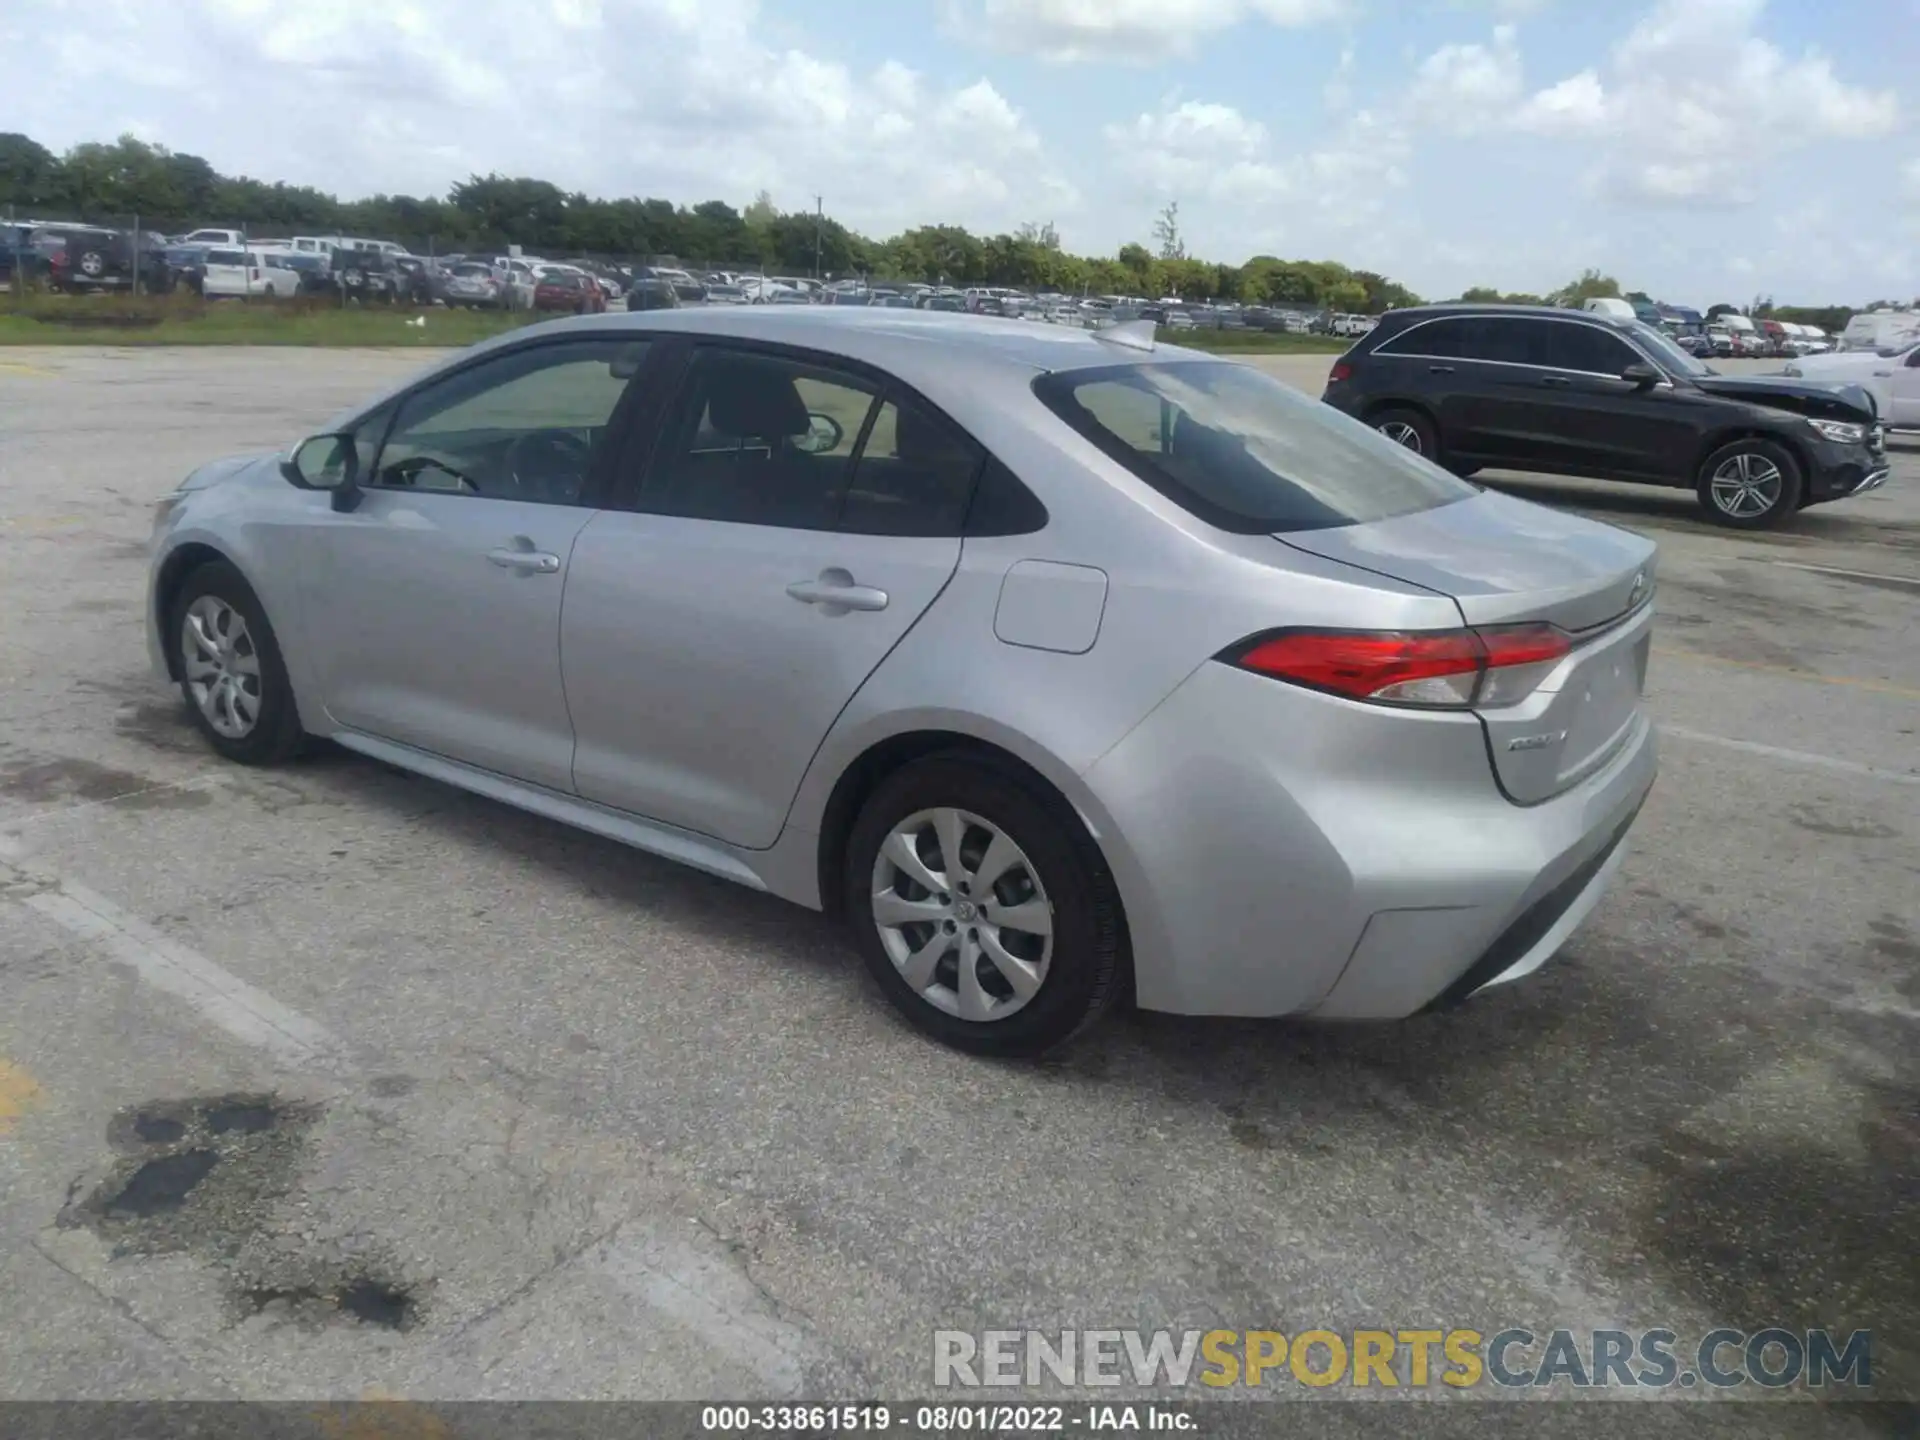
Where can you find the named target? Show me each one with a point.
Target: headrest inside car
(753, 399)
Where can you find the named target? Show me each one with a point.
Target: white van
(236, 273)
(1881, 330)
(1611, 308)
(382, 247)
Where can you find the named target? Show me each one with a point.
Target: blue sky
(1704, 150)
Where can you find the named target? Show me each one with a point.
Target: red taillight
(1341, 371)
(1434, 669)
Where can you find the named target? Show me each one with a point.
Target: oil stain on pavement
(209, 1176)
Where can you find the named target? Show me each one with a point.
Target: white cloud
(1577, 105)
(1337, 93)
(1192, 150)
(690, 99)
(1137, 31)
(1696, 106)
(1466, 87)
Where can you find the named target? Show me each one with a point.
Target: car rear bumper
(1285, 852)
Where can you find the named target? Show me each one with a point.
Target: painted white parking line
(243, 1011)
(1875, 575)
(1792, 757)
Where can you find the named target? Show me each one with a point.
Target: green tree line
(171, 191)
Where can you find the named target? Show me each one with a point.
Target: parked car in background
(81, 258)
(652, 292)
(1891, 376)
(1876, 330)
(230, 273)
(723, 293)
(321, 245)
(1612, 308)
(293, 272)
(1568, 392)
(569, 291)
(225, 239)
(1744, 334)
(416, 280)
(1327, 732)
(472, 285)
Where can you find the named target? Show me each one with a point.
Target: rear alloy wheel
(1751, 484)
(981, 909)
(1409, 429)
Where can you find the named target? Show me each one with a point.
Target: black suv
(1569, 392)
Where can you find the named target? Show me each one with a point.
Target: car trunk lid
(1508, 562)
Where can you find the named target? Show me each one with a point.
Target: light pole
(819, 222)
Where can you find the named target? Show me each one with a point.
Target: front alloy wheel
(221, 667)
(1746, 486)
(1751, 484)
(230, 669)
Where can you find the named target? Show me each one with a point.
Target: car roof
(1544, 312)
(939, 353)
(907, 343)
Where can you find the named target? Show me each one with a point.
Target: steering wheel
(549, 463)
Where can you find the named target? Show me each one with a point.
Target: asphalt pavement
(464, 1104)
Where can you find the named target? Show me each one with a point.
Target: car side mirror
(325, 462)
(1641, 376)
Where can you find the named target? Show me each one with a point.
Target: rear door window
(758, 439)
(1509, 340)
(1243, 451)
(1586, 348)
(914, 477)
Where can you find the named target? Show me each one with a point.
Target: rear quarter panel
(1178, 593)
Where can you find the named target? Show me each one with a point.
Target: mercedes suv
(1569, 392)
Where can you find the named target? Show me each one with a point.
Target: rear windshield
(1241, 450)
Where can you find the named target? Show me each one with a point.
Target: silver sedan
(1066, 667)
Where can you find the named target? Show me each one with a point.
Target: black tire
(1085, 971)
(1419, 435)
(1784, 497)
(276, 735)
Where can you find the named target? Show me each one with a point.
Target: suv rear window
(1241, 450)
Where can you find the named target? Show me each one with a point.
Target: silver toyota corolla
(1062, 665)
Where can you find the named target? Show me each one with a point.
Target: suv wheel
(981, 908)
(1408, 428)
(231, 673)
(1751, 484)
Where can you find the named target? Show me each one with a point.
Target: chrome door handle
(1555, 380)
(1439, 369)
(836, 593)
(527, 562)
